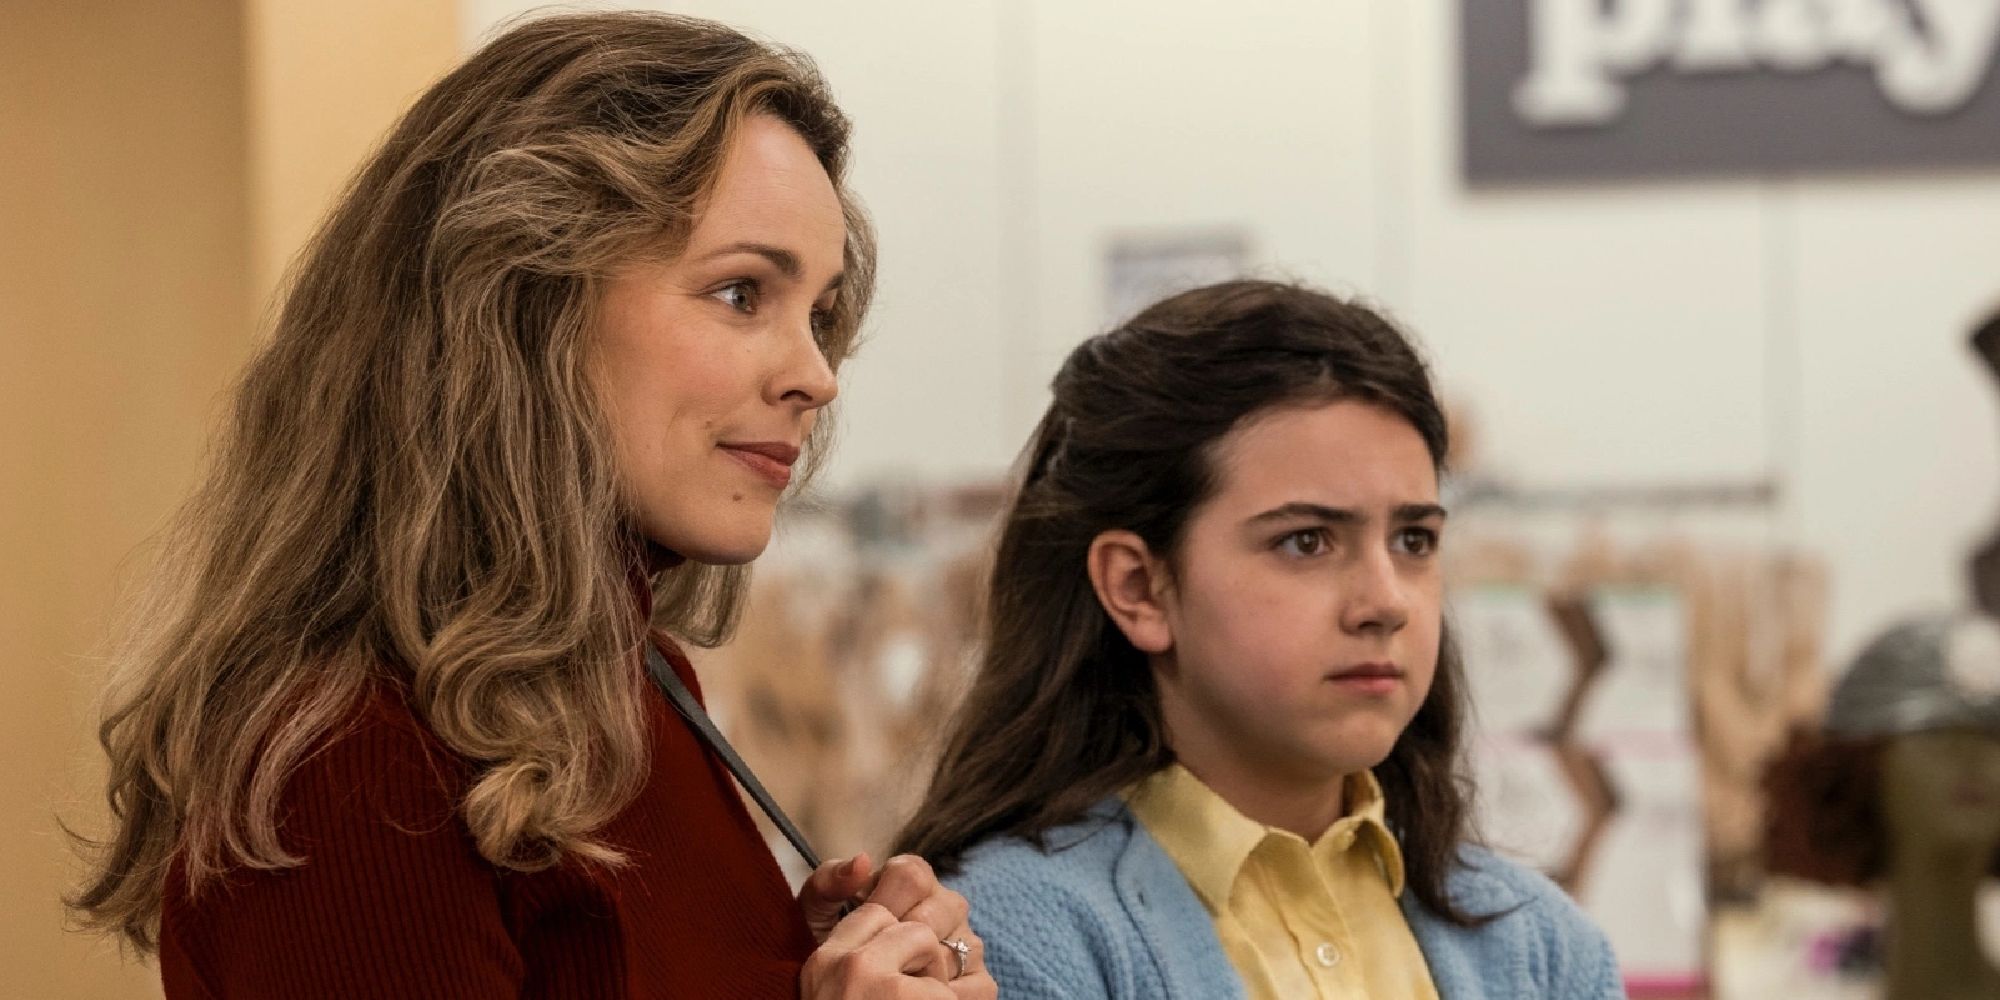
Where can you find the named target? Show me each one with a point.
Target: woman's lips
(770, 460)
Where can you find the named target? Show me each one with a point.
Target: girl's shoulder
(1091, 910)
(1532, 935)
(1485, 881)
(1074, 865)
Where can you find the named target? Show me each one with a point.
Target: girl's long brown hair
(416, 486)
(1062, 710)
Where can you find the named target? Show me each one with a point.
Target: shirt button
(1327, 954)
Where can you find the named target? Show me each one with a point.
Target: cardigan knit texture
(1104, 914)
(395, 901)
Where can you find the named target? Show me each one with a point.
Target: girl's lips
(775, 470)
(1369, 678)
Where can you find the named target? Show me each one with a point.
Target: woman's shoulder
(388, 879)
(376, 765)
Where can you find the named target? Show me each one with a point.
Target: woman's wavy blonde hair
(416, 485)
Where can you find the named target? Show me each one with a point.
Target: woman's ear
(1131, 583)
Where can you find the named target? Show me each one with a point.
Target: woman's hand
(893, 945)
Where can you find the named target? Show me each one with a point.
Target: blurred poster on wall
(1141, 269)
(1564, 90)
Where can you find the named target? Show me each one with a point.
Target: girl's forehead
(1350, 451)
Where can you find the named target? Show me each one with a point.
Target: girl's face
(710, 364)
(1303, 612)
(1942, 790)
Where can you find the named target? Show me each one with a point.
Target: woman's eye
(822, 325)
(738, 295)
(1310, 542)
(1417, 541)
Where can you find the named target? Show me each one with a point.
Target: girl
(385, 728)
(1211, 748)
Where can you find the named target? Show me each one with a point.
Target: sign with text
(1558, 90)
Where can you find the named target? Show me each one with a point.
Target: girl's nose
(1375, 600)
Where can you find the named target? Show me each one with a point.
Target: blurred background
(1699, 280)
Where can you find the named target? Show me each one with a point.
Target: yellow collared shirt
(1296, 919)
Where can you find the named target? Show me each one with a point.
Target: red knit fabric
(394, 901)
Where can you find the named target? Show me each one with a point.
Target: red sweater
(393, 900)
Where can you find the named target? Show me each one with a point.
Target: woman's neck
(1933, 934)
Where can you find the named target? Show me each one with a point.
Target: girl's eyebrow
(1305, 510)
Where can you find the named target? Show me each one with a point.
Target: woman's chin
(725, 551)
(720, 538)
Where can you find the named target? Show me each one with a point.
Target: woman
(383, 727)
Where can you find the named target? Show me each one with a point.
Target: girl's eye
(738, 295)
(1417, 541)
(822, 325)
(1304, 544)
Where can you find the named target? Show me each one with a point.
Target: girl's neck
(1304, 807)
(1933, 934)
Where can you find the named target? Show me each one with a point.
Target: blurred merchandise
(1899, 792)
(1634, 654)
(854, 643)
(1800, 941)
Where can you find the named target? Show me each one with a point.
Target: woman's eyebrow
(787, 262)
(784, 260)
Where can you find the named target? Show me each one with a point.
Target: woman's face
(1942, 789)
(710, 364)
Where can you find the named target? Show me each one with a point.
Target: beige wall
(160, 163)
(327, 80)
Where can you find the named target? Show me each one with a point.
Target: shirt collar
(1209, 840)
(1367, 821)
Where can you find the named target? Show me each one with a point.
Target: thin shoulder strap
(684, 702)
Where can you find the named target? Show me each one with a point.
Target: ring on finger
(960, 952)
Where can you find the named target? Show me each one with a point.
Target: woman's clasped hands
(906, 936)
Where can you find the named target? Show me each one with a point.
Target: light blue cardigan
(1105, 915)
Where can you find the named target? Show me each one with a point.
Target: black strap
(684, 702)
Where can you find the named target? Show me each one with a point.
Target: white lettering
(1857, 29)
(1713, 39)
(1791, 35)
(1927, 61)
(1938, 77)
(1577, 43)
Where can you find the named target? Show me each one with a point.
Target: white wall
(1811, 330)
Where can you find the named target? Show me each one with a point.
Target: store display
(1901, 792)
